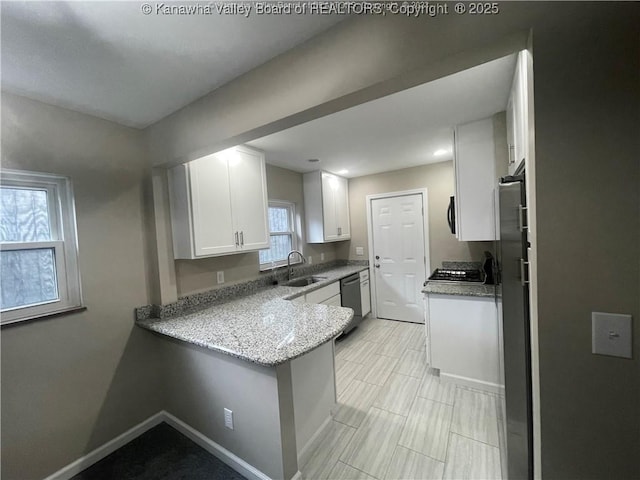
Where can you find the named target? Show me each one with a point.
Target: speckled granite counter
(263, 327)
(466, 289)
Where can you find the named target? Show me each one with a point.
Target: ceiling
(110, 60)
(397, 131)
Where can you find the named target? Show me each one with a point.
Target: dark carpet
(162, 453)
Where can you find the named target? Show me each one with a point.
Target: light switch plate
(359, 251)
(611, 334)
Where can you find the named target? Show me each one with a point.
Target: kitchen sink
(304, 281)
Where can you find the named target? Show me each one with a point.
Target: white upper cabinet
(219, 204)
(475, 177)
(326, 206)
(517, 114)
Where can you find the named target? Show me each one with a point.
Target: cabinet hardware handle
(523, 272)
(521, 218)
(512, 154)
(237, 242)
(242, 239)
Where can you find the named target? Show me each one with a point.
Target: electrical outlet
(359, 251)
(310, 260)
(322, 257)
(228, 418)
(220, 276)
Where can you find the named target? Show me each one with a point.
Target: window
(283, 235)
(38, 246)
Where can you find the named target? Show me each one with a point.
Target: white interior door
(399, 256)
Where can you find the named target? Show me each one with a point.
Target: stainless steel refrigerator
(513, 263)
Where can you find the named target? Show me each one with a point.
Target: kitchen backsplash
(201, 300)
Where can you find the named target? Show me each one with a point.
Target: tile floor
(396, 421)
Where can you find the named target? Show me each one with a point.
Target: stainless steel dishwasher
(350, 294)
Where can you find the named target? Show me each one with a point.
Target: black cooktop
(449, 275)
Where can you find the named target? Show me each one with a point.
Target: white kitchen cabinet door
(219, 204)
(326, 205)
(323, 294)
(517, 113)
(464, 339)
(342, 208)
(329, 211)
(336, 301)
(248, 183)
(475, 175)
(201, 208)
(365, 298)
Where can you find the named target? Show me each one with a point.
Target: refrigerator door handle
(524, 267)
(522, 224)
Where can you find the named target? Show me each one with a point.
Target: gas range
(444, 275)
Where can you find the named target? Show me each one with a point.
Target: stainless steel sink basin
(304, 281)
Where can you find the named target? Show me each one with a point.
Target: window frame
(292, 233)
(63, 242)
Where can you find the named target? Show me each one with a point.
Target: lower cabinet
(463, 339)
(365, 293)
(325, 294)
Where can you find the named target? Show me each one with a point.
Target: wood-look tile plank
(468, 459)
(377, 370)
(427, 428)
(345, 373)
(409, 465)
(408, 330)
(434, 389)
(394, 346)
(342, 471)
(355, 402)
(475, 416)
(397, 394)
(372, 447)
(359, 352)
(413, 363)
(378, 334)
(326, 454)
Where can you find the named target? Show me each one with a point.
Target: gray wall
(201, 383)
(586, 131)
(72, 383)
(587, 81)
(438, 179)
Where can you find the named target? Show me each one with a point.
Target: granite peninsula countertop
(464, 289)
(263, 327)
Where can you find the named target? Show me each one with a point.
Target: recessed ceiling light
(313, 160)
(440, 152)
(343, 172)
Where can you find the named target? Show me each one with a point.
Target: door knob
(377, 257)
(377, 265)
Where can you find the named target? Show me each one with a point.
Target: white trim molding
(224, 455)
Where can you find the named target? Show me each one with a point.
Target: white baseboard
(224, 455)
(65, 473)
(306, 451)
(473, 383)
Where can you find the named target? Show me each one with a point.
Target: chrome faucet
(289, 267)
